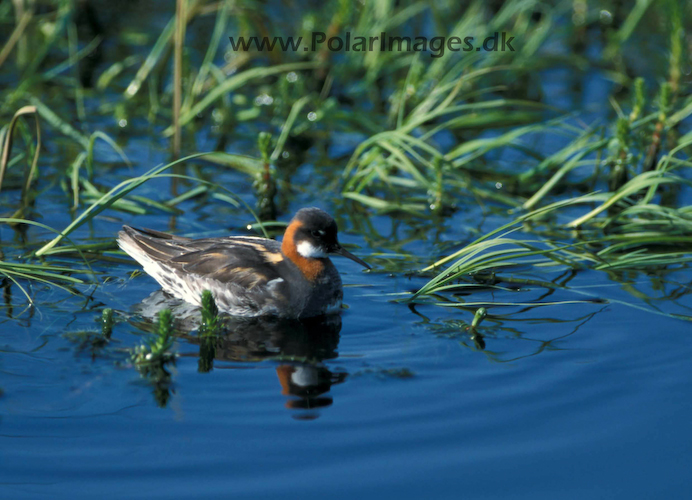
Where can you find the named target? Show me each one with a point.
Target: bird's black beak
(337, 249)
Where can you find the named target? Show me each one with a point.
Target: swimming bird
(247, 275)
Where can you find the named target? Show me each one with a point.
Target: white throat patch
(309, 251)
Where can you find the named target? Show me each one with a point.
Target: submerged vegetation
(95, 341)
(152, 357)
(415, 137)
(208, 332)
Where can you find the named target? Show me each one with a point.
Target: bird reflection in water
(299, 347)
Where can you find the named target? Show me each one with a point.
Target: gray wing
(243, 273)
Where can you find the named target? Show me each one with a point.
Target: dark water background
(580, 400)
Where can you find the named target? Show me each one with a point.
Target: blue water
(571, 402)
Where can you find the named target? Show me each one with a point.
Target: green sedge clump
(156, 351)
(210, 315)
(107, 323)
(639, 99)
(478, 318)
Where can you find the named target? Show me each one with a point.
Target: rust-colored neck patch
(311, 268)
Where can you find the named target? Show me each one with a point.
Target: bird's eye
(317, 233)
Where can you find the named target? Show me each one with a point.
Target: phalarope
(247, 275)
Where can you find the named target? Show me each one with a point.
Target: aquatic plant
(208, 332)
(155, 351)
(478, 317)
(265, 184)
(95, 341)
(433, 130)
(151, 357)
(635, 223)
(211, 323)
(107, 323)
